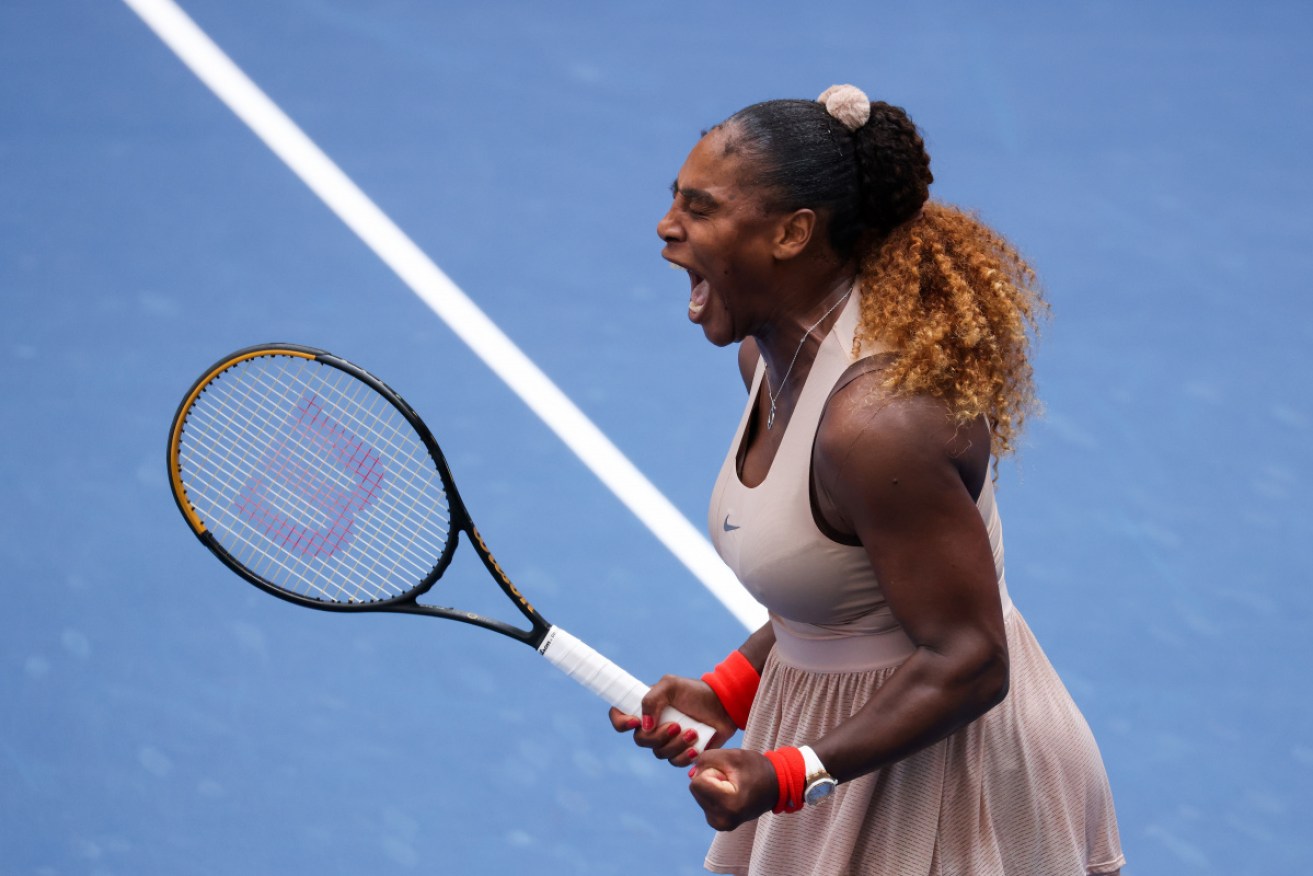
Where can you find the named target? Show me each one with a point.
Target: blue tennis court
(157, 715)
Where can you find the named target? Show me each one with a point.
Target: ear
(793, 232)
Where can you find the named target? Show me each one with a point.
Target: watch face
(819, 790)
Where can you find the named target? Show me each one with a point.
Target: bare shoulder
(748, 356)
(869, 439)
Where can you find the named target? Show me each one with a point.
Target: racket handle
(610, 682)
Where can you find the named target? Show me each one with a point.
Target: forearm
(757, 647)
(931, 695)
(735, 680)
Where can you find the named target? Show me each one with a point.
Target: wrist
(818, 784)
(735, 682)
(802, 778)
(790, 773)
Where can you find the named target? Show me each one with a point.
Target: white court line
(453, 306)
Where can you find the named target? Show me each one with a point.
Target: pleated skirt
(1021, 791)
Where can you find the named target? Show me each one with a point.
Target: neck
(784, 388)
(786, 333)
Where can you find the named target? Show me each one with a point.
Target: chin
(717, 336)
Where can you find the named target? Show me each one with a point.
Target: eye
(693, 203)
(699, 208)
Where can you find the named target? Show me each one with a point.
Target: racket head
(313, 480)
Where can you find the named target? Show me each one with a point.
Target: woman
(898, 715)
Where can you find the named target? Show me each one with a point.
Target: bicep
(895, 480)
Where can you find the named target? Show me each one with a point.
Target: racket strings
(285, 495)
(418, 464)
(390, 442)
(288, 483)
(301, 458)
(298, 503)
(374, 410)
(314, 481)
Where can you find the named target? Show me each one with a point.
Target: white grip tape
(610, 682)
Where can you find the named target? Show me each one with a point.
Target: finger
(659, 740)
(715, 782)
(668, 741)
(716, 795)
(651, 709)
(684, 746)
(656, 700)
(622, 722)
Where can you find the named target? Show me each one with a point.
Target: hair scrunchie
(848, 104)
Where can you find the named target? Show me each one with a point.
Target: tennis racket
(315, 482)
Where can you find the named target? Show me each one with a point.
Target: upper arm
(898, 471)
(748, 356)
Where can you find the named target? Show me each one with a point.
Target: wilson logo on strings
(302, 510)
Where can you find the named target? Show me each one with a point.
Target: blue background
(159, 716)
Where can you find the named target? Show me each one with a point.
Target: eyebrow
(695, 195)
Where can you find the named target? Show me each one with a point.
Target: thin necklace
(775, 394)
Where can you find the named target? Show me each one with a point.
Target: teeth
(697, 299)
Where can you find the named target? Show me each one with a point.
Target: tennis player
(899, 716)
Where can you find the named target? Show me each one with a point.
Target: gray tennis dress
(1021, 791)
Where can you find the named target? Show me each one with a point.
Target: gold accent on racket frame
(175, 440)
(502, 576)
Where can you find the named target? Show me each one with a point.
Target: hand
(733, 786)
(669, 741)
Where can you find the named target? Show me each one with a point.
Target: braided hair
(953, 297)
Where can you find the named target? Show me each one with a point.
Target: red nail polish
(690, 736)
(674, 731)
(691, 753)
(693, 772)
(648, 722)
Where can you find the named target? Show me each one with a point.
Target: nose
(668, 229)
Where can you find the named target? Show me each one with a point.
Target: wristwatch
(819, 784)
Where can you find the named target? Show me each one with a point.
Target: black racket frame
(460, 521)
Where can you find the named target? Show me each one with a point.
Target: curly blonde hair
(960, 306)
(956, 301)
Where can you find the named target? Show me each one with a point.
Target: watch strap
(817, 783)
(811, 764)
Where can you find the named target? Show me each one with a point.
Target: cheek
(743, 265)
(730, 261)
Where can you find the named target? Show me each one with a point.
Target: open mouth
(699, 290)
(697, 296)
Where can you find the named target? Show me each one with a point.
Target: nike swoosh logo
(729, 527)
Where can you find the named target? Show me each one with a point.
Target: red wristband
(735, 682)
(791, 772)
